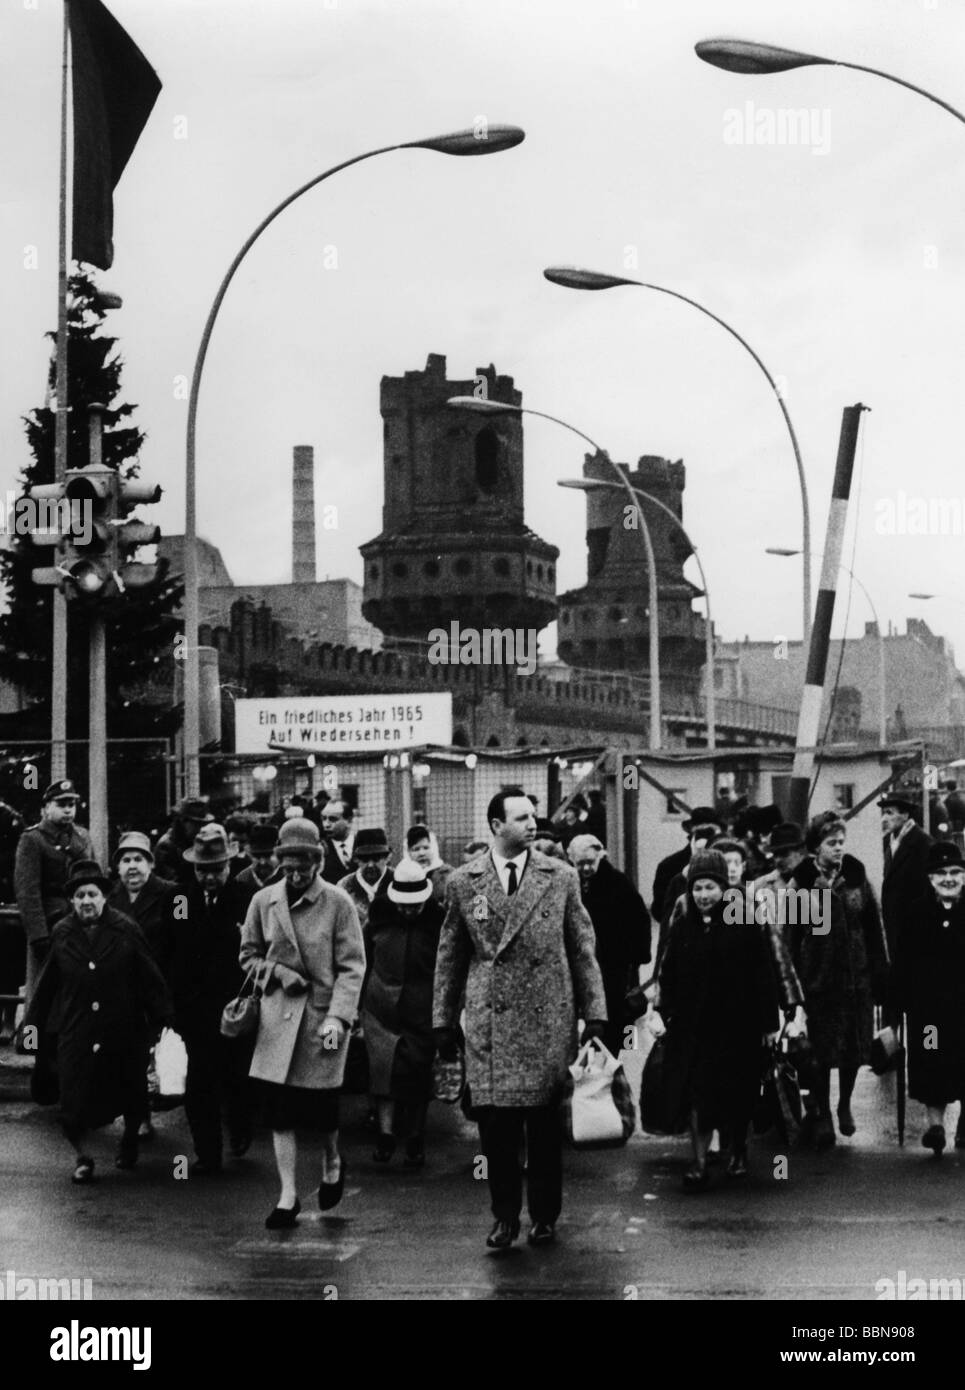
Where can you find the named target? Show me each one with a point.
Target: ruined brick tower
(605, 625)
(454, 545)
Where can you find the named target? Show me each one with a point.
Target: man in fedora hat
(263, 868)
(203, 929)
(370, 878)
(46, 853)
(905, 847)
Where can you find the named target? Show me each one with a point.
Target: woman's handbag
(779, 1105)
(660, 1101)
(448, 1079)
(170, 1071)
(239, 1017)
(597, 1108)
(886, 1052)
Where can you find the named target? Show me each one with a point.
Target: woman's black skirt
(297, 1107)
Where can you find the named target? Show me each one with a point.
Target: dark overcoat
(928, 984)
(201, 951)
(46, 854)
(528, 967)
(621, 925)
(397, 1006)
(718, 998)
(844, 971)
(904, 880)
(667, 871)
(318, 940)
(102, 995)
(148, 910)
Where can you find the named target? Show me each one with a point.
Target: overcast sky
(841, 261)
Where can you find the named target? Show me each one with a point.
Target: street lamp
(882, 699)
(590, 485)
(483, 406)
(739, 55)
(487, 139)
(574, 278)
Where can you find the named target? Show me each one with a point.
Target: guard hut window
(843, 796)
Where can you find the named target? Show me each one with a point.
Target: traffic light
(86, 517)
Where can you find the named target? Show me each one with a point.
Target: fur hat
(708, 863)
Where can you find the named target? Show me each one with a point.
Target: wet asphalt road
(837, 1224)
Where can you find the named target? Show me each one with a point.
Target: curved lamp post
(590, 485)
(482, 406)
(487, 140)
(739, 55)
(574, 278)
(882, 703)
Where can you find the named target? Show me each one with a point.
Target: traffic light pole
(58, 680)
(97, 677)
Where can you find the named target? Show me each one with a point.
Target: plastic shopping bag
(170, 1071)
(597, 1106)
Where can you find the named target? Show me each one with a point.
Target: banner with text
(342, 723)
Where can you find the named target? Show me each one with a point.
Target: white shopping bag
(171, 1068)
(591, 1113)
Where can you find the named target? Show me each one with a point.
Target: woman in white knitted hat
(397, 1015)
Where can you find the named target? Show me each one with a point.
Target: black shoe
(384, 1149)
(83, 1171)
(283, 1218)
(696, 1180)
(846, 1121)
(330, 1193)
(541, 1233)
(205, 1168)
(126, 1153)
(240, 1146)
(502, 1235)
(824, 1135)
(737, 1167)
(934, 1138)
(415, 1154)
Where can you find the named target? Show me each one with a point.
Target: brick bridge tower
(454, 546)
(605, 625)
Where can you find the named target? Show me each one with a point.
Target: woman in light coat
(302, 938)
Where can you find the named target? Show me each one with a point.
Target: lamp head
(482, 406)
(737, 55)
(481, 139)
(588, 484)
(780, 550)
(572, 277)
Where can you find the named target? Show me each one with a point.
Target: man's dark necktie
(512, 885)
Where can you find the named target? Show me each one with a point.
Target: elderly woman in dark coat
(841, 958)
(718, 998)
(928, 983)
(404, 930)
(103, 997)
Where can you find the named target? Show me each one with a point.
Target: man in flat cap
(46, 854)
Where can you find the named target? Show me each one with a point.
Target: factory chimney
(303, 514)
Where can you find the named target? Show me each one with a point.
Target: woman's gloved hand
(656, 1024)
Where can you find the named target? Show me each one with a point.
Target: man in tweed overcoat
(518, 940)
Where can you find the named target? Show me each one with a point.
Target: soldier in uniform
(46, 853)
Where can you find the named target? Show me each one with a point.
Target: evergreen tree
(141, 624)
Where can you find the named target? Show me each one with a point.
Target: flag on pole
(114, 89)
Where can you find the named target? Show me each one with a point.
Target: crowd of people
(353, 948)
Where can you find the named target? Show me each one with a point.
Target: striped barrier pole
(809, 719)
